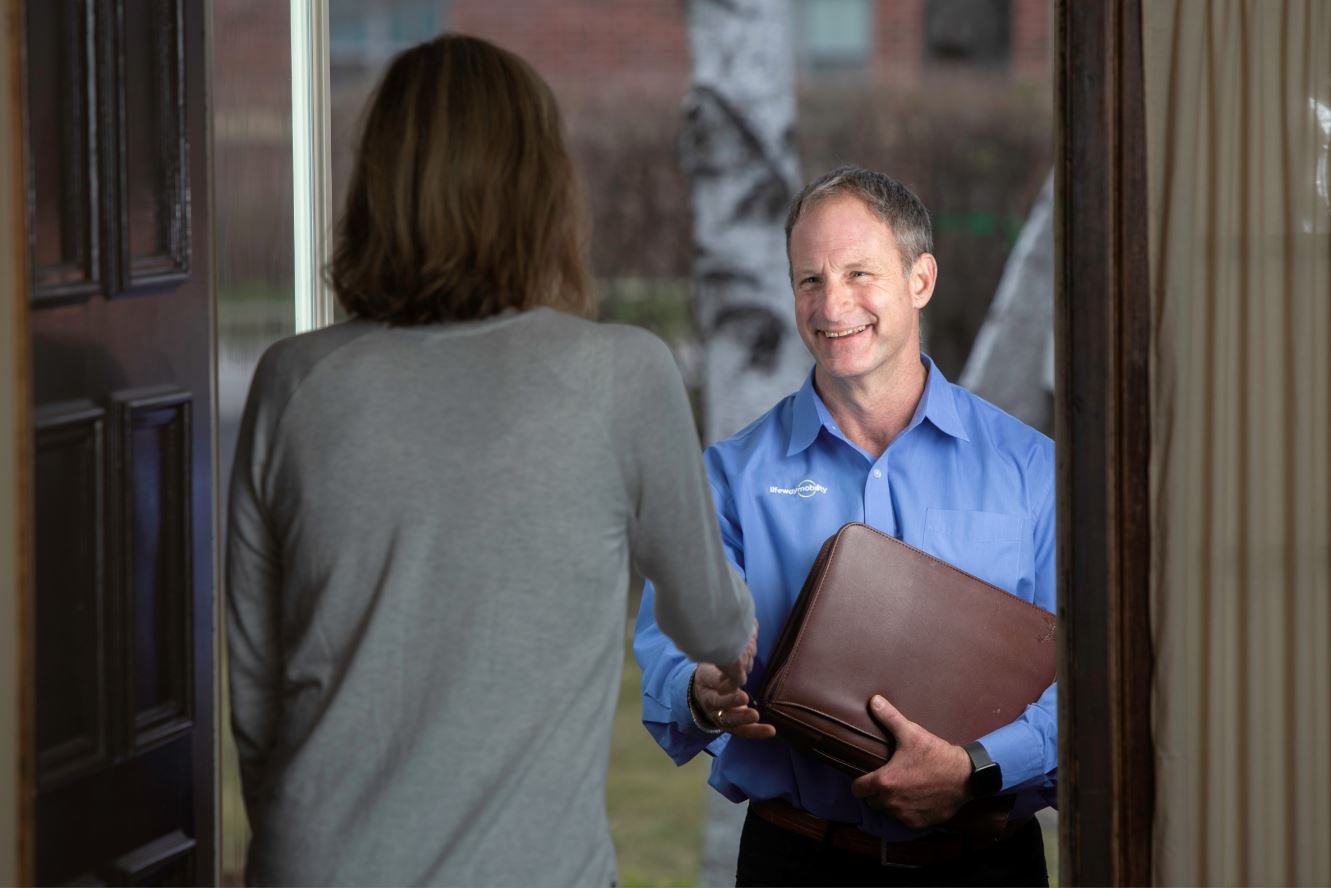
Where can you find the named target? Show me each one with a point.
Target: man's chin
(840, 370)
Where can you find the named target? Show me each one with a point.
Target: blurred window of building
(363, 35)
(834, 34)
(974, 32)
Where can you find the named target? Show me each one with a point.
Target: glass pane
(976, 149)
(254, 249)
(836, 31)
(968, 31)
(145, 184)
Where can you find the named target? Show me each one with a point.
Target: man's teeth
(831, 335)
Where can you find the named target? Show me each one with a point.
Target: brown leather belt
(928, 850)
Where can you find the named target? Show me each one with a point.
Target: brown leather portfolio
(953, 653)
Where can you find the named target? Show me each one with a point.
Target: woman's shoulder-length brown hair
(463, 200)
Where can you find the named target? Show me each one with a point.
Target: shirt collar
(938, 404)
(807, 418)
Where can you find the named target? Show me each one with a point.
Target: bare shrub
(624, 145)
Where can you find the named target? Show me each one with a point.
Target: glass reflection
(254, 255)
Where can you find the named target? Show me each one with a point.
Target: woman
(433, 508)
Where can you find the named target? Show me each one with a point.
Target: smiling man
(876, 434)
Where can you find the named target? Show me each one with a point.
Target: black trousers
(769, 855)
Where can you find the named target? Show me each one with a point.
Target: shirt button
(878, 473)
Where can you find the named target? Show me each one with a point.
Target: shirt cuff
(1015, 748)
(680, 710)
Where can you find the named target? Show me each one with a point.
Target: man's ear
(921, 280)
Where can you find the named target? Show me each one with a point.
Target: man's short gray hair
(891, 201)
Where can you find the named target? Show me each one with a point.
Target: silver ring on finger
(720, 717)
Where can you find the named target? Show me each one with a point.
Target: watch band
(986, 776)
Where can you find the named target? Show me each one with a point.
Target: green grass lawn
(656, 809)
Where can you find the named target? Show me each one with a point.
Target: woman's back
(447, 510)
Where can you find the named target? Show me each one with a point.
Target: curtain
(1238, 110)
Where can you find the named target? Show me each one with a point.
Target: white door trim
(311, 161)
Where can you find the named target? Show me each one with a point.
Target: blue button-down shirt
(963, 481)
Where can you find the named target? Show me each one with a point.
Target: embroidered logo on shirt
(803, 490)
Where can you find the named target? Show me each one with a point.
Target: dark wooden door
(122, 341)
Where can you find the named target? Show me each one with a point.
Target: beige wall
(13, 432)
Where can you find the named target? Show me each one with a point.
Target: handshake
(719, 694)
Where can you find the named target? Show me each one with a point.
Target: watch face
(986, 781)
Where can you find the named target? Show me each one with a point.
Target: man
(878, 435)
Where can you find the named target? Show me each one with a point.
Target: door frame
(1101, 399)
(1106, 780)
(16, 699)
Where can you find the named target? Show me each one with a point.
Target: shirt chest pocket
(986, 544)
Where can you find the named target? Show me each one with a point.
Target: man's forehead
(848, 260)
(843, 221)
(844, 204)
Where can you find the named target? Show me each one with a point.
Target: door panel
(122, 345)
(64, 227)
(153, 512)
(152, 172)
(73, 734)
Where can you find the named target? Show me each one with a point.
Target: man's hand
(927, 779)
(719, 693)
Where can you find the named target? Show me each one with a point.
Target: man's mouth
(842, 334)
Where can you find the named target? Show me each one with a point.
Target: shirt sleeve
(666, 671)
(1026, 750)
(253, 578)
(697, 599)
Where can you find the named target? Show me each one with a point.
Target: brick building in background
(586, 47)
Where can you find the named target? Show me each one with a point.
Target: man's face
(856, 307)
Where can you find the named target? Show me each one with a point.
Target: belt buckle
(883, 861)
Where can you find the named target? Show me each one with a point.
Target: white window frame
(311, 161)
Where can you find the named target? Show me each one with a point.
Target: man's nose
(836, 300)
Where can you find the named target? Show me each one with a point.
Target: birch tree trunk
(738, 147)
(1012, 360)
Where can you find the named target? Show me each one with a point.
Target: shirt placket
(878, 511)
